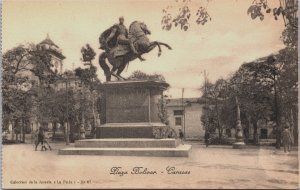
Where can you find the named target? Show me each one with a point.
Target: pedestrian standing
(287, 140)
(206, 137)
(181, 136)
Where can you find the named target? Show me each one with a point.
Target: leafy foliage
(88, 54)
(255, 10)
(88, 76)
(16, 60)
(266, 89)
(182, 18)
(139, 75)
(20, 95)
(288, 9)
(203, 16)
(215, 94)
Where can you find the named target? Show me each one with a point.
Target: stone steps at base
(180, 151)
(127, 143)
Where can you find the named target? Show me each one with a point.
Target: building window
(178, 112)
(228, 132)
(263, 133)
(178, 121)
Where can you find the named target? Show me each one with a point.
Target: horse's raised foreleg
(163, 44)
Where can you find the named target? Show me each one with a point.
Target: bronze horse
(121, 55)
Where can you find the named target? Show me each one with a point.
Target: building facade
(186, 114)
(56, 54)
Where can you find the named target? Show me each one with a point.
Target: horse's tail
(104, 65)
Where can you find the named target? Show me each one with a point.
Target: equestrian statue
(122, 46)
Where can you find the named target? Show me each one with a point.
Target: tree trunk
(218, 120)
(82, 127)
(54, 129)
(93, 129)
(67, 133)
(16, 129)
(294, 128)
(220, 131)
(13, 130)
(94, 115)
(23, 131)
(277, 116)
(255, 136)
(246, 132)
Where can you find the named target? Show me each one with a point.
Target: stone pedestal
(129, 112)
(239, 141)
(130, 109)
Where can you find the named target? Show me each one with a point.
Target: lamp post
(239, 139)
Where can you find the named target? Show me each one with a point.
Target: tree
(88, 54)
(266, 89)
(90, 83)
(215, 94)
(17, 59)
(20, 98)
(255, 96)
(17, 108)
(88, 77)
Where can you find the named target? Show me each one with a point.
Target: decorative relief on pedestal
(163, 132)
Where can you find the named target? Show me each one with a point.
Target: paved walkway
(213, 167)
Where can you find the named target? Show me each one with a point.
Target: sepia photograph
(149, 94)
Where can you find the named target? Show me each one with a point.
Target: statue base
(129, 123)
(127, 130)
(130, 109)
(128, 147)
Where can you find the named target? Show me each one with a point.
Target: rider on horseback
(122, 37)
(119, 55)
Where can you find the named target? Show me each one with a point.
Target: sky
(220, 47)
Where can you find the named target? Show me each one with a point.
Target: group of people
(40, 138)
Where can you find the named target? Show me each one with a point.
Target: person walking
(181, 136)
(39, 138)
(206, 137)
(287, 140)
(45, 141)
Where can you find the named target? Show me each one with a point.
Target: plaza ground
(213, 167)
